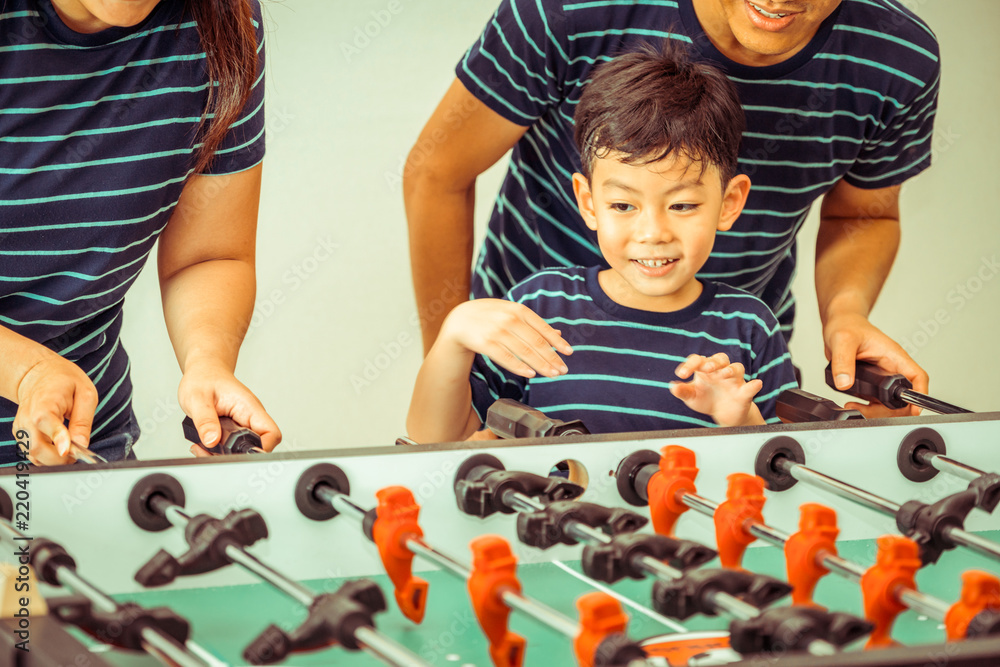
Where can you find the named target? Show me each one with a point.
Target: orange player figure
(895, 565)
(678, 470)
(396, 522)
(980, 592)
(743, 504)
(803, 550)
(493, 572)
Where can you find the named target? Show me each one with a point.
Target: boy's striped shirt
(857, 103)
(97, 139)
(624, 359)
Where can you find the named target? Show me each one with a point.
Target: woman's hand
(718, 390)
(52, 392)
(207, 391)
(510, 334)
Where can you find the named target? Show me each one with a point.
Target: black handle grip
(796, 405)
(235, 439)
(871, 383)
(510, 419)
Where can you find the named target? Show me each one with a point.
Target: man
(839, 95)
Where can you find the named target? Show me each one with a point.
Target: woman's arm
(207, 283)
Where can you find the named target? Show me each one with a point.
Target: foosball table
(847, 542)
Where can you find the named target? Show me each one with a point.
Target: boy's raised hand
(510, 334)
(718, 390)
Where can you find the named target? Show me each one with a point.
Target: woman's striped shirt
(97, 138)
(857, 103)
(624, 359)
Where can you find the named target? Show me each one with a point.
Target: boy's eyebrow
(680, 185)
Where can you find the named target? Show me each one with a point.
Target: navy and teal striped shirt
(857, 103)
(624, 359)
(97, 139)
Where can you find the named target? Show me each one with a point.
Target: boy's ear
(733, 200)
(584, 200)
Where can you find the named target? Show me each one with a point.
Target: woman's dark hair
(227, 34)
(652, 102)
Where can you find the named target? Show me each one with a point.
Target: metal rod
(845, 568)
(948, 466)
(699, 504)
(384, 649)
(930, 403)
(922, 604)
(287, 586)
(540, 612)
(420, 548)
(169, 647)
(974, 542)
(70, 579)
(837, 487)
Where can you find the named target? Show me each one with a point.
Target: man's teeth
(768, 14)
(654, 263)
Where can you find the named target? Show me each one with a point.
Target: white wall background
(334, 297)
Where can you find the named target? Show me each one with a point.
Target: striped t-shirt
(97, 139)
(857, 103)
(624, 359)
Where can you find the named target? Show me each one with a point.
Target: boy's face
(656, 225)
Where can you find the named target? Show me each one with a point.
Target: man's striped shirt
(857, 103)
(624, 359)
(97, 139)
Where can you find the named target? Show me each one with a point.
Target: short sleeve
(772, 365)
(490, 383)
(243, 145)
(903, 148)
(517, 66)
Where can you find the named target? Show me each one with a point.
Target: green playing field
(226, 619)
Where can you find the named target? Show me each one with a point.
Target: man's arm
(857, 243)
(207, 283)
(462, 139)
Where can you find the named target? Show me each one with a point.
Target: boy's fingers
(715, 362)
(682, 390)
(509, 360)
(553, 337)
(534, 349)
(750, 389)
(689, 366)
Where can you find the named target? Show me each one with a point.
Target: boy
(658, 139)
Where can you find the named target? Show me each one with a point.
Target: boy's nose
(653, 227)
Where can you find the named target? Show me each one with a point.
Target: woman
(111, 138)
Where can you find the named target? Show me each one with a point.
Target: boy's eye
(621, 207)
(683, 207)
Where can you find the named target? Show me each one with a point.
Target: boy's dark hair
(652, 102)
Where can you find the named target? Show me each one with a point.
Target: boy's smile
(656, 225)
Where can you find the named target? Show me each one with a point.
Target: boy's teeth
(654, 263)
(768, 14)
